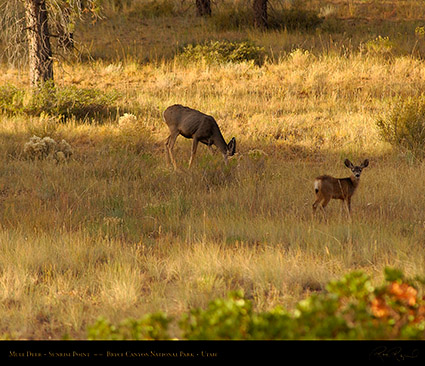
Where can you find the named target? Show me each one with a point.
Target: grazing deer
(327, 187)
(195, 125)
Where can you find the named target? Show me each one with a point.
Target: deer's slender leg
(171, 140)
(194, 147)
(325, 202)
(349, 204)
(317, 202)
(167, 153)
(320, 202)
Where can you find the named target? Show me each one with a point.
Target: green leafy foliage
(223, 319)
(404, 126)
(350, 308)
(152, 327)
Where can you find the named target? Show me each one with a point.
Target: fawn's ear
(231, 147)
(365, 163)
(348, 163)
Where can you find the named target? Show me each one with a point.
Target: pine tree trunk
(203, 8)
(40, 51)
(260, 13)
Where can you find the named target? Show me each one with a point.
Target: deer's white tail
(317, 185)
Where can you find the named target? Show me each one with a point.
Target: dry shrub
(38, 148)
(404, 126)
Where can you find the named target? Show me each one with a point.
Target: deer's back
(189, 121)
(177, 113)
(337, 188)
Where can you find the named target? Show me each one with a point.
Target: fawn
(327, 187)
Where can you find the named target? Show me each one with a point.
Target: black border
(152, 352)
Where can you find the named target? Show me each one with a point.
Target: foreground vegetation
(351, 308)
(113, 232)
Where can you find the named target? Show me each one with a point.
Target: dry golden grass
(114, 232)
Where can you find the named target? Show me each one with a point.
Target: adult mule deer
(195, 125)
(327, 187)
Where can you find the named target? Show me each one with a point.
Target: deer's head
(356, 169)
(231, 147)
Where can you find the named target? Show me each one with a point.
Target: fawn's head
(356, 169)
(231, 147)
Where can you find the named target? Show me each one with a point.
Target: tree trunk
(260, 13)
(203, 8)
(40, 50)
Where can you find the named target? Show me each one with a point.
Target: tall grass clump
(404, 126)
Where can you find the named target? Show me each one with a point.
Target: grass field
(115, 232)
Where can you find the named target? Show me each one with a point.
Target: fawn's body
(327, 187)
(198, 126)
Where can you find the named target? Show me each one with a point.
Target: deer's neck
(218, 141)
(354, 182)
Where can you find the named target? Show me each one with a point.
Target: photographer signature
(395, 353)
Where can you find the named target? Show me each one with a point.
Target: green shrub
(11, 99)
(71, 101)
(350, 308)
(379, 46)
(404, 126)
(152, 327)
(63, 102)
(223, 319)
(217, 52)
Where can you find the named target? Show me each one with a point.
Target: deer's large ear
(231, 147)
(348, 163)
(365, 163)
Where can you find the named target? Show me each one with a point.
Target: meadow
(115, 232)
